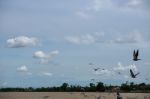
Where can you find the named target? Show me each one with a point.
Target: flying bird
(119, 73)
(135, 55)
(132, 74)
(96, 69)
(91, 64)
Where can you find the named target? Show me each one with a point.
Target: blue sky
(46, 43)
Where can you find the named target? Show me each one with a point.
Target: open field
(70, 95)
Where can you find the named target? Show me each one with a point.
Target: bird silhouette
(96, 69)
(135, 55)
(119, 73)
(132, 74)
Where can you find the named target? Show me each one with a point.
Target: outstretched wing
(137, 53)
(137, 73)
(134, 54)
(96, 69)
(131, 72)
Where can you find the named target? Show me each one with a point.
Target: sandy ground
(70, 95)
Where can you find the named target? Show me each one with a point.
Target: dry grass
(70, 95)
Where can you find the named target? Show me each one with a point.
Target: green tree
(92, 87)
(125, 87)
(64, 87)
(100, 87)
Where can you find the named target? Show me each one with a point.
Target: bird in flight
(135, 55)
(119, 73)
(132, 74)
(91, 64)
(96, 69)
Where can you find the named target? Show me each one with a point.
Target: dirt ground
(71, 95)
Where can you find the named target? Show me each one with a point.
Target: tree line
(98, 87)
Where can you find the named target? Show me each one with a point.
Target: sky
(48, 42)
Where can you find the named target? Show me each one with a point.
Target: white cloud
(85, 39)
(134, 37)
(46, 74)
(22, 69)
(120, 67)
(53, 53)
(39, 54)
(86, 12)
(45, 57)
(22, 41)
(134, 3)
(95, 6)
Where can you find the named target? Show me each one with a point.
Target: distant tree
(100, 87)
(132, 86)
(30, 89)
(64, 87)
(92, 87)
(142, 86)
(125, 87)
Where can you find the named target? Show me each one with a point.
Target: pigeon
(135, 55)
(132, 74)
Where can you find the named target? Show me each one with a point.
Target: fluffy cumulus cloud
(45, 57)
(22, 69)
(22, 41)
(40, 54)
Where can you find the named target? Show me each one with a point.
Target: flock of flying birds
(132, 74)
